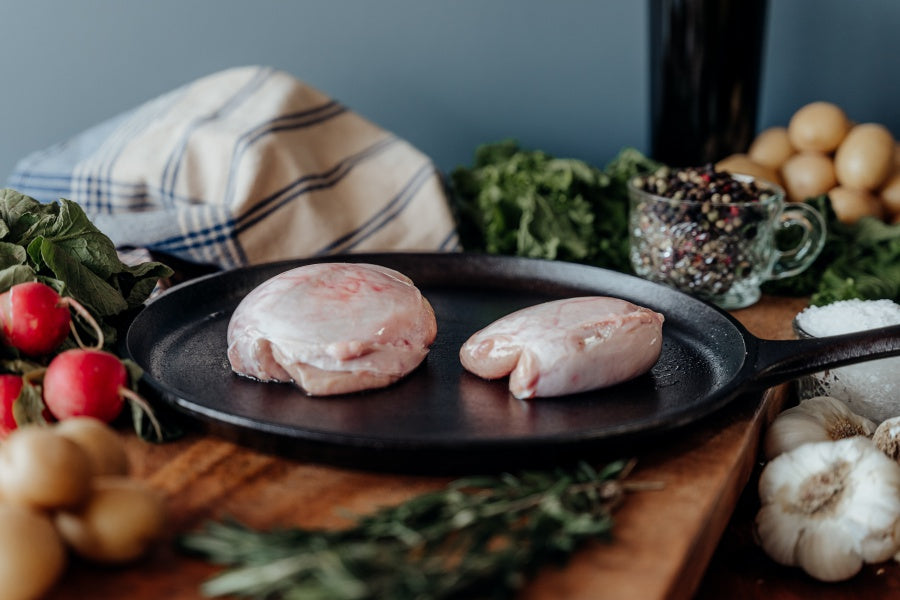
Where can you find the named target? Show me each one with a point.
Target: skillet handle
(779, 361)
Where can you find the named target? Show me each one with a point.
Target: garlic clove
(828, 507)
(887, 437)
(818, 419)
(827, 554)
(872, 521)
(784, 475)
(778, 535)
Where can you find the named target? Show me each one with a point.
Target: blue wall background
(567, 76)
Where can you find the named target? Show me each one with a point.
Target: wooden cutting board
(663, 540)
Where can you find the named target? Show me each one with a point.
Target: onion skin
(818, 127)
(807, 174)
(43, 470)
(771, 148)
(865, 158)
(32, 554)
(119, 523)
(100, 442)
(852, 204)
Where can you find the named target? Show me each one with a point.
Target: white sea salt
(848, 316)
(870, 388)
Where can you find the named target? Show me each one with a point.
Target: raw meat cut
(566, 346)
(332, 328)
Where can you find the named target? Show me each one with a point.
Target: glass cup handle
(794, 260)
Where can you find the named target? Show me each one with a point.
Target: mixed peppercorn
(699, 229)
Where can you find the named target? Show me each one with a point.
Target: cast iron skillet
(441, 418)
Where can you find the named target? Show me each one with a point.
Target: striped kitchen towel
(245, 166)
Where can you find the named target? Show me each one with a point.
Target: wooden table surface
(664, 540)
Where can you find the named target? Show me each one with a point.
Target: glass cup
(721, 251)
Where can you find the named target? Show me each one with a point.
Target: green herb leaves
(858, 261)
(529, 203)
(58, 245)
(478, 537)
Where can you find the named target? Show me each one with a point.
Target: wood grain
(663, 540)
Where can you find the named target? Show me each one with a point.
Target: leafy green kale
(861, 260)
(529, 203)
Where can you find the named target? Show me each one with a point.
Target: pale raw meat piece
(566, 346)
(332, 328)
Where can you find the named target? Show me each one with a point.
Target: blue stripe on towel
(288, 121)
(308, 183)
(211, 236)
(59, 163)
(450, 243)
(89, 169)
(44, 193)
(298, 120)
(143, 117)
(220, 233)
(384, 216)
(173, 164)
(133, 196)
(123, 195)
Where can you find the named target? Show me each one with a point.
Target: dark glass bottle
(705, 60)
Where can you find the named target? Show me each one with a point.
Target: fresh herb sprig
(479, 537)
(529, 203)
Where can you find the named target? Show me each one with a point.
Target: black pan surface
(441, 417)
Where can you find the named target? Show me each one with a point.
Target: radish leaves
(58, 245)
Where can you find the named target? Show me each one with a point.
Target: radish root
(34, 376)
(133, 396)
(87, 316)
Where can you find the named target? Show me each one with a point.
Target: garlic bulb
(887, 437)
(818, 419)
(828, 507)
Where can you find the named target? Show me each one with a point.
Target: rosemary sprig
(477, 537)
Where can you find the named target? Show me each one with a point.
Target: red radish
(36, 320)
(89, 382)
(10, 387)
(82, 382)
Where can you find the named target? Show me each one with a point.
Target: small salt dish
(871, 388)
